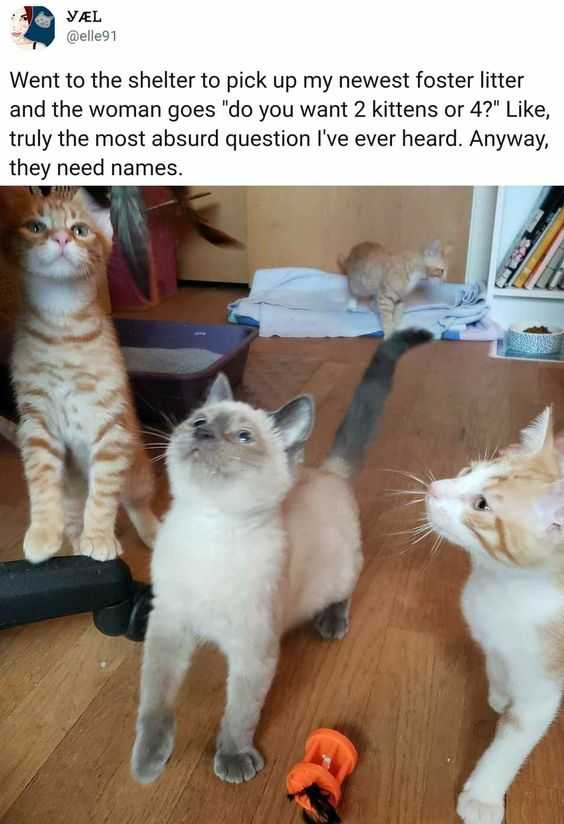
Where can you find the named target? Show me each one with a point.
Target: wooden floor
(406, 684)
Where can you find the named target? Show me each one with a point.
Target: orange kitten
(78, 432)
(373, 270)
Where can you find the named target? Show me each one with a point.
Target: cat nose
(62, 238)
(203, 433)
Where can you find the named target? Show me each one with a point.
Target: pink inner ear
(559, 517)
(550, 507)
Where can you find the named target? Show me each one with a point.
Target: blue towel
(296, 302)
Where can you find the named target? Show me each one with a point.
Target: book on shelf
(551, 268)
(557, 280)
(541, 247)
(544, 211)
(542, 268)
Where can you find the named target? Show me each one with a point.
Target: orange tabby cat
(78, 432)
(373, 270)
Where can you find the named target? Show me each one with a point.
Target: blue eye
(245, 436)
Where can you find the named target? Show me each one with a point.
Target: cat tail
(358, 427)
(127, 212)
(8, 430)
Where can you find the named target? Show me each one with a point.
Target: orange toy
(315, 784)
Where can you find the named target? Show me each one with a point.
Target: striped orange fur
(78, 432)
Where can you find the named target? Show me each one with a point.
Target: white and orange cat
(508, 514)
(78, 432)
(376, 272)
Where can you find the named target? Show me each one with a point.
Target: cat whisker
(396, 554)
(433, 552)
(414, 530)
(406, 474)
(171, 420)
(149, 430)
(422, 536)
(158, 458)
(393, 492)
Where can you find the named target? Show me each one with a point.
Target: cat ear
(538, 436)
(550, 507)
(559, 449)
(433, 249)
(294, 421)
(220, 390)
(99, 214)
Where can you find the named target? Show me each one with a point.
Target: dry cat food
(538, 330)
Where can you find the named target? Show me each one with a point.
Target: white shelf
(535, 294)
(513, 204)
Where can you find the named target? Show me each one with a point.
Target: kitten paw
(474, 811)
(153, 747)
(41, 543)
(100, 546)
(237, 767)
(333, 622)
(498, 701)
(352, 305)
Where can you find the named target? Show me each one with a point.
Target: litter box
(160, 393)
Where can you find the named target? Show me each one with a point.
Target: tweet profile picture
(32, 27)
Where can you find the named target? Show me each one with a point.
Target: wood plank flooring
(406, 684)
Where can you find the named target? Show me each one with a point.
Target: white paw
(100, 546)
(352, 305)
(473, 810)
(498, 701)
(234, 768)
(41, 542)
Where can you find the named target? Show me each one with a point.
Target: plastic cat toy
(315, 784)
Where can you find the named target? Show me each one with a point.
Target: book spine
(553, 265)
(558, 278)
(538, 239)
(542, 265)
(544, 210)
(540, 248)
(519, 250)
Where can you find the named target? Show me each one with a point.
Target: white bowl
(535, 343)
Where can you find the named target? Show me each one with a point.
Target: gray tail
(127, 212)
(358, 427)
(8, 430)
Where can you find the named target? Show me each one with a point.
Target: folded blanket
(294, 302)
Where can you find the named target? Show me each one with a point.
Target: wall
(311, 226)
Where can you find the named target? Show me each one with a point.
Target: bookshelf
(509, 207)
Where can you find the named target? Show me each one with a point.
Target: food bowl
(535, 338)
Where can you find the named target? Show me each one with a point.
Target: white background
(314, 37)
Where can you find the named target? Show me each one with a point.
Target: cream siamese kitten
(508, 514)
(253, 545)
